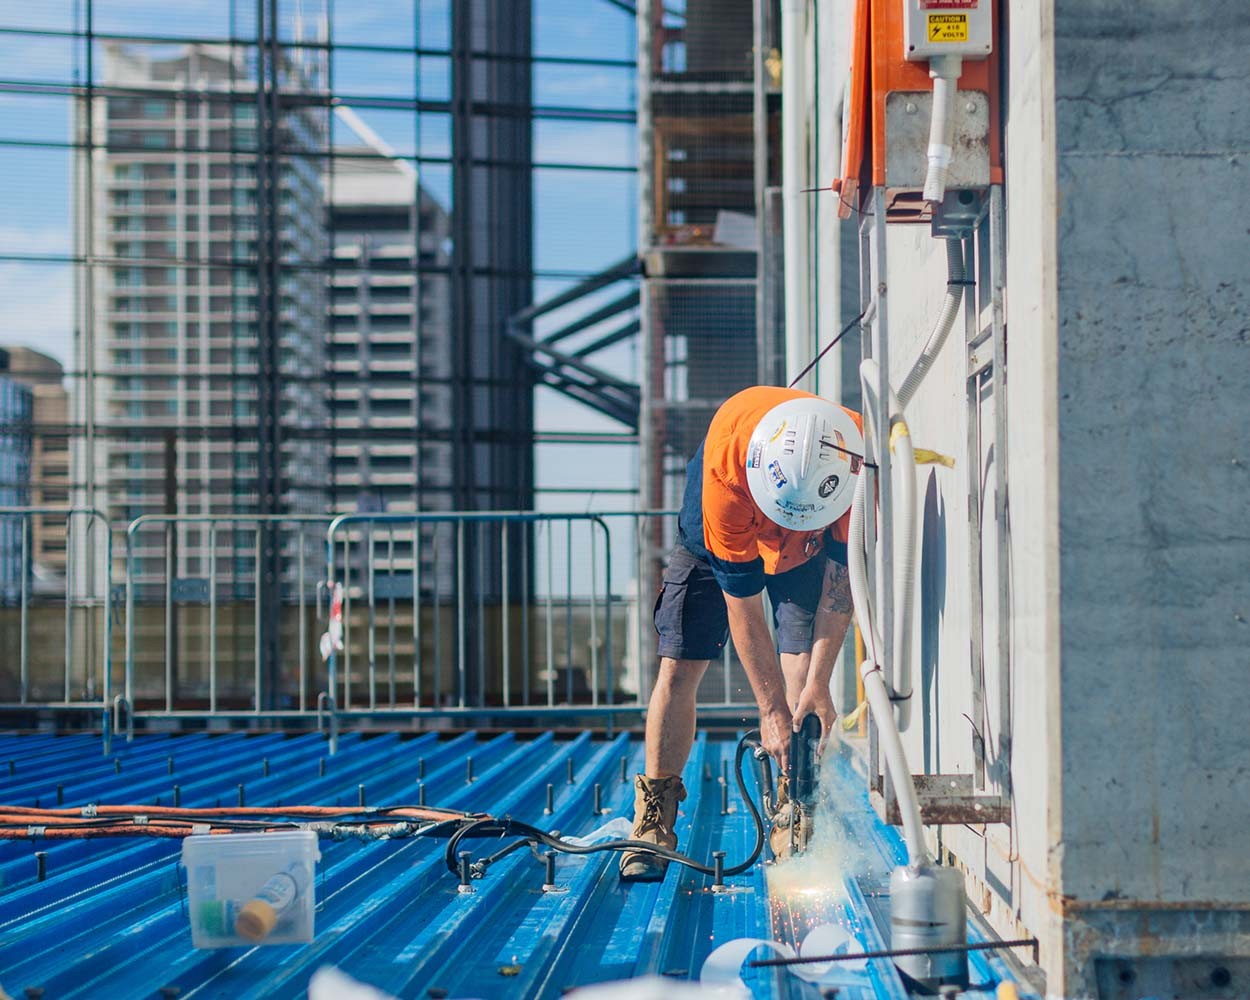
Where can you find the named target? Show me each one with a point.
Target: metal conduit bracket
(120, 704)
(947, 799)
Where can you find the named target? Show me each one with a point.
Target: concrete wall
(1153, 157)
(1010, 869)
(1128, 330)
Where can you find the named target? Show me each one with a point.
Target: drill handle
(804, 747)
(766, 780)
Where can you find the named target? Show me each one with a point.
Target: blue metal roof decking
(109, 914)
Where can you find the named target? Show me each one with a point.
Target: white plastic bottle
(258, 916)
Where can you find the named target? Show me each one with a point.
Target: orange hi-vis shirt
(737, 540)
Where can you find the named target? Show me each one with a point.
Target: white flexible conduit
(904, 470)
(945, 72)
(874, 682)
(955, 277)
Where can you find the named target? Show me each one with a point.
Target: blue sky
(584, 220)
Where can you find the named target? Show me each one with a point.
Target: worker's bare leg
(659, 792)
(671, 716)
(794, 667)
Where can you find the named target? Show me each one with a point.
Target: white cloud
(37, 241)
(37, 300)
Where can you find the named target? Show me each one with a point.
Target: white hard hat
(798, 469)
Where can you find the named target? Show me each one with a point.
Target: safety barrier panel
(55, 572)
(454, 613)
(194, 614)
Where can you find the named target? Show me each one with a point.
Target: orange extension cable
(87, 822)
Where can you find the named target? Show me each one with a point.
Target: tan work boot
(655, 815)
(785, 815)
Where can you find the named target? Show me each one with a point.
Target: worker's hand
(775, 736)
(816, 699)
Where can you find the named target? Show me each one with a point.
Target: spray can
(257, 917)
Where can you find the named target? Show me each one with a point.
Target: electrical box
(888, 111)
(947, 28)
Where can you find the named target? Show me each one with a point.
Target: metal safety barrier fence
(467, 616)
(491, 614)
(55, 596)
(195, 615)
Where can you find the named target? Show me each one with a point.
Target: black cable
(829, 347)
(530, 834)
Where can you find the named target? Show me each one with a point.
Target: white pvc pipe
(945, 72)
(794, 229)
(896, 760)
(904, 468)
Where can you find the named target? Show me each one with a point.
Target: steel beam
(947, 799)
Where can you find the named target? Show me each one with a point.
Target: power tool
(791, 806)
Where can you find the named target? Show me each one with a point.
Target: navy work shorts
(693, 622)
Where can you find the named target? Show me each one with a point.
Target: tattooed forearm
(836, 596)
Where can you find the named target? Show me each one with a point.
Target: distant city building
(175, 310)
(390, 334)
(49, 482)
(15, 409)
(390, 351)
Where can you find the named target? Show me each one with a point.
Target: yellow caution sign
(948, 27)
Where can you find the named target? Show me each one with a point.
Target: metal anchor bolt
(549, 859)
(466, 884)
(718, 871)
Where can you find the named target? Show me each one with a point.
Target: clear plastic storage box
(251, 888)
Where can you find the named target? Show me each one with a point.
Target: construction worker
(766, 507)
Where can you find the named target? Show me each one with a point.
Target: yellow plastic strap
(898, 430)
(850, 721)
(926, 457)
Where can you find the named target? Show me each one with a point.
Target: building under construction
(336, 516)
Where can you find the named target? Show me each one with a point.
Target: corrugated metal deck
(109, 918)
